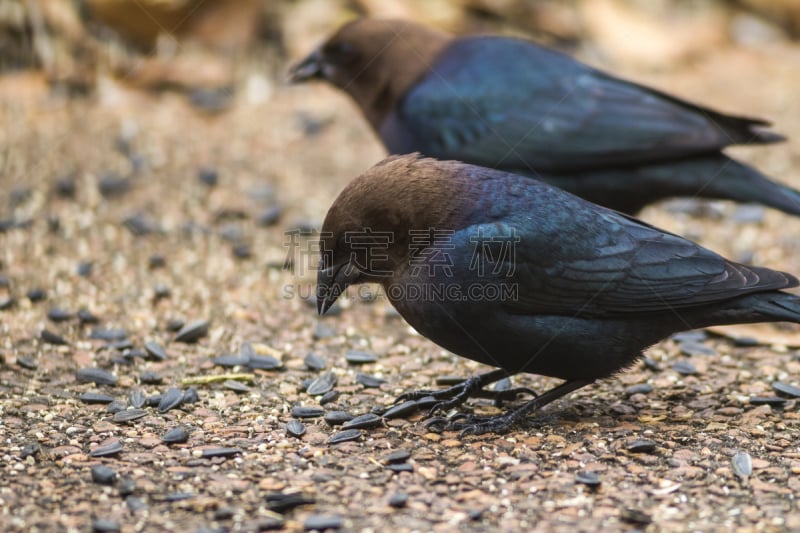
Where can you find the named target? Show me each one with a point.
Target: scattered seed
(208, 176)
(449, 381)
(369, 381)
(696, 348)
(174, 324)
(328, 397)
(86, 317)
(57, 314)
(229, 360)
(398, 500)
(366, 421)
(502, 385)
(116, 406)
(178, 496)
(155, 351)
(337, 418)
(314, 362)
(108, 334)
(111, 185)
(651, 364)
(220, 452)
(264, 362)
(295, 428)
(322, 384)
(397, 456)
(96, 397)
(103, 475)
(191, 395)
(170, 400)
(236, 386)
(193, 331)
(129, 415)
(27, 362)
(53, 338)
(306, 383)
(29, 449)
(84, 269)
(140, 224)
(280, 502)
(137, 398)
(270, 216)
(642, 446)
(426, 402)
(634, 516)
(107, 449)
(242, 251)
(400, 467)
(590, 479)
(772, 401)
(358, 357)
(697, 335)
(401, 410)
(126, 486)
(36, 294)
(122, 345)
(685, 368)
(344, 436)
(786, 389)
(323, 522)
(95, 375)
(742, 465)
(322, 331)
(639, 388)
(300, 411)
(150, 378)
(105, 525)
(176, 435)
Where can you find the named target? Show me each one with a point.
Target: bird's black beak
(332, 282)
(308, 69)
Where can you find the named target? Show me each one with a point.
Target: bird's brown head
(374, 61)
(365, 236)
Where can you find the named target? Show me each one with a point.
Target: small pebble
(634, 516)
(742, 465)
(84, 269)
(270, 216)
(30, 449)
(103, 475)
(156, 261)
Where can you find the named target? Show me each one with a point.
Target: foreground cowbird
(520, 275)
(513, 105)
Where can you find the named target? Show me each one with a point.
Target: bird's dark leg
(502, 423)
(469, 388)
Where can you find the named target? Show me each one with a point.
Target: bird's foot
(444, 399)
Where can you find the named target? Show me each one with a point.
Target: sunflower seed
(236, 386)
(105, 450)
(103, 475)
(230, 360)
(328, 397)
(322, 522)
(685, 368)
(191, 395)
(86, 317)
(634, 516)
(397, 456)
(398, 500)
(400, 467)
(95, 375)
(129, 415)
(193, 331)
(137, 398)
(295, 428)
(337, 418)
(264, 362)
(105, 525)
(449, 381)
(150, 378)
(314, 362)
(322, 384)
(57, 314)
(108, 334)
(365, 421)
(96, 397)
(369, 381)
(588, 478)
(176, 435)
(170, 400)
(344, 436)
(155, 351)
(773, 401)
(281, 502)
(400, 410)
(642, 446)
(639, 388)
(300, 411)
(116, 406)
(220, 452)
(53, 338)
(358, 357)
(786, 389)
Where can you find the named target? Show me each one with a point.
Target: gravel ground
(148, 215)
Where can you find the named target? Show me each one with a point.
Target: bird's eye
(340, 53)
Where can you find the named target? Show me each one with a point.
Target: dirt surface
(166, 245)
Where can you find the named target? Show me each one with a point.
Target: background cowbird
(517, 274)
(513, 105)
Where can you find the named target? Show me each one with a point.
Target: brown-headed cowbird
(523, 276)
(513, 105)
